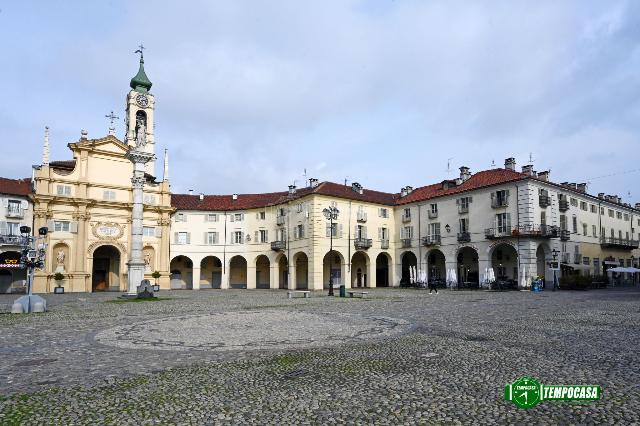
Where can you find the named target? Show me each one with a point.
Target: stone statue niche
(141, 129)
(61, 255)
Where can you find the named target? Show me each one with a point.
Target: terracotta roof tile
(15, 186)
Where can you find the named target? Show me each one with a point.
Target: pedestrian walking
(432, 286)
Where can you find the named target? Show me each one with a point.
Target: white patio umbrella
(412, 275)
(454, 277)
(523, 281)
(448, 279)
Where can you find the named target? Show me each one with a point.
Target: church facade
(86, 203)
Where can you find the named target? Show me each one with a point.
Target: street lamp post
(331, 214)
(554, 253)
(32, 258)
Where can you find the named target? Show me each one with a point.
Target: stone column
(371, 274)
(251, 276)
(273, 277)
(136, 262)
(195, 278)
(80, 266)
(293, 275)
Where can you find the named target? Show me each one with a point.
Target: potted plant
(58, 277)
(155, 276)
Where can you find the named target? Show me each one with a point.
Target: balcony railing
(537, 231)
(463, 209)
(493, 233)
(278, 245)
(497, 203)
(15, 213)
(563, 205)
(362, 217)
(544, 200)
(384, 244)
(362, 243)
(280, 220)
(431, 240)
(464, 237)
(10, 240)
(406, 218)
(620, 243)
(406, 242)
(565, 235)
(433, 214)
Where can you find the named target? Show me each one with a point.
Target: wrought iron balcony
(463, 209)
(544, 200)
(495, 233)
(431, 240)
(497, 203)
(406, 242)
(15, 213)
(406, 218)
(278, 245)
(620, 243)
(280, 220)
(464, 237)
(563, 205)
(10, 240)
(432, 214)
(384, 244)
(362, 217)
(537, 231)
(565, 235)
(362, 243)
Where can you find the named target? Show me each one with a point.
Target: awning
(611, 262)
(577, 267)
(629, 269)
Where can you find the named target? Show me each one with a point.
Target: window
(594, 208)
(619, 234)
(210, 238)
(263, 236)
(299, 208)
(626, 217)
(596, 264)
(149, 199)
(299, 231)
(237, 237)
(618, 215)
(361, 232)
(181, 217)
(627, 235)
(13, 228)
(543, 217)
(182, 238)
(148, 231)
(109, 195)
(464, 225)
(613, 233)
(406, 232)
(282, 212)
(407, 213)
(594, 229)
(434, 230)
(503, 223)
(563, 222)
(586, 261)
(63, 190)
(500, 198)
(611, 213)
(14, 207)
(383, 213)
(574, 202)
(383, 233)
(575, 224)
(238, 217)
(333, 231)
(211, 217)
(61, 226)
(583, 205)
(584, 229)
(463, 204)
(262, 215)
(602, 211)
(434, 208)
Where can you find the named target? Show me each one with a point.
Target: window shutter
(509, 222)
(241, 237)
(241, 216)
(506, 192)
(158, 231)
(175, 238)
(402, 233)
(5, 203)
(256, 235)
(188, 237)
(73, 227)
(470, 200)
(233, 218)
(257, 216)
(266, 236)
(3, 228)
(24, 205)
(206, 217)
(231, 239)
(205, 239)
(295, 233)
(380, 233)
(493, 196)
(50, 225)
(328, 229)
(364, 232)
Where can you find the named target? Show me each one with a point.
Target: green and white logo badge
(527, 392)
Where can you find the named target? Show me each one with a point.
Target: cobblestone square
(400, 356)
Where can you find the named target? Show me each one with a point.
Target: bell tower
(139, 114)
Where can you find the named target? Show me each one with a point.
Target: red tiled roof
(479, 180)
(15, 186)
(252, 201)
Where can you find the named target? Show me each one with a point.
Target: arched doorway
(302, 271)
(11, 276)
(283, 272)
(468, 269)
(211, 272)
(181, 273)
(382, 270)
(409, 260)
(359, 269)
(105, 275)
(436, 266)
(263, 272)
(238, 272)
(332, 269)
(541, 262)
(504, 261)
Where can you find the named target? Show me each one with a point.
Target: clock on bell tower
(139, 114)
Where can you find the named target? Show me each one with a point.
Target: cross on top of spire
(140, 50)
(140, 83)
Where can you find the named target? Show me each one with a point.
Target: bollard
(343, 291)
(17, 308)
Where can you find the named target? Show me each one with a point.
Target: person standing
(432, 286)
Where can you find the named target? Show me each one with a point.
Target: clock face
(142, 101)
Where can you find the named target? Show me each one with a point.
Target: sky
(251, 94)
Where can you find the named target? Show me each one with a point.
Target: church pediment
(109, 144)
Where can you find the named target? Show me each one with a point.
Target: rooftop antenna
(493, 164)
(345, 180)
(305, 175)
(112, 117)
(449, 165)
(531, 160)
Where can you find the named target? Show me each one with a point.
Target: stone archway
(468, 267)
(237, 272)
(333, 269)
(11, 276)
(301, 261)
(211, 272)
(504, 261)
(283, 272)
(105, 273)
(408, 261)
(436, 265)
(359, 270)
(383, 271)
(263, 272)
(181, 273)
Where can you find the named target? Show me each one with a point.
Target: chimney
(409, 189)
(618, 199)
(465, 173)
(201, 196)
(403, 192)
(637, 206)
(565, 184)
(544, 176)
(191, 192)
(601, 195)
(292, 189)
(234, 197)
(510, 163)
(573, 186)
(355, 186)
(582, 187)
(83, 134)
(313, 182)
(528, 169)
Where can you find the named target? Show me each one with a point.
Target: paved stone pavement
(401, 356)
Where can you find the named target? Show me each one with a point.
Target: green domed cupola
(141, 83)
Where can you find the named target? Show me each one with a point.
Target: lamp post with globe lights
(331, 214)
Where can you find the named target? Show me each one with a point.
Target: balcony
(361, 217)
(563, 205)
(10, 240)
(362, 243)
(464, 237)
(431, 240)
(384, 244)
(544, 200)
(280, 220)
(463, 209)
(619, 243)
(577, 258)
(565, 235)
(499, 202)
(406, 242)
(537, 231)
(15, 213)
(406, 218)
(278, 245)
(495, 233)
(432, 214)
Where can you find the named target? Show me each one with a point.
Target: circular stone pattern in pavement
(250, 330)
